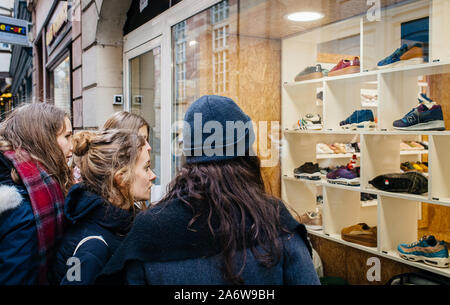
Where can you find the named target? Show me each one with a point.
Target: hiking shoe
(345, 66)
(404, 55)
(422, 118)
(409, 182)
(343, 176)
(311, 72)
(308, 171)
(360, 119)
(427, 249)
(311, 220)
(361, 234)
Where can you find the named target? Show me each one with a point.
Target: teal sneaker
(429, 250)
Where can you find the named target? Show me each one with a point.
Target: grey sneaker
(311, 72)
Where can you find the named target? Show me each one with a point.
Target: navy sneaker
(360, 119)
(422, 118)
(393, 58)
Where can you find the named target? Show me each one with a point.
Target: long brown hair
(35, 128)
(100, 155)
(233, 193)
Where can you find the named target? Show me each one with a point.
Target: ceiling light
(304, 16)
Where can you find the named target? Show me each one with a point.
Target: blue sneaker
(429, 250)
(422, 118)
(393, 58)
(360, 119)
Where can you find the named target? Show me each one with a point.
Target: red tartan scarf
(47, 202)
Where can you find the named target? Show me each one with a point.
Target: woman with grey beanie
(216, 224)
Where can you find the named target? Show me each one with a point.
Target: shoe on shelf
(427, 249)
(360, 234)
(310, 122)
(404, 146)
(414, 145)
(359, 119)
(407, 166)
(311, 72)
(405, 55)
(423, 166)
(343, 176)
(349, 149)
(356, 146)
(422, 118)
(311, 220)
(308, 171)
(425, 100)
(340, 147)
(409, 182)
(346, 66)
(322, 148)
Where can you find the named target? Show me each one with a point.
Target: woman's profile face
(140, 188)
(64, 139)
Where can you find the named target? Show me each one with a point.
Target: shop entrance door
(144, 99)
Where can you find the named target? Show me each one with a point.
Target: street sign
(14, 31)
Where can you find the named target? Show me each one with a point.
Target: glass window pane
(145, 99)
(61, 86)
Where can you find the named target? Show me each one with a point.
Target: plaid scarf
(47, 202)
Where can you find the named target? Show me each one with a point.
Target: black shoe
(409, 182)
(308, 171)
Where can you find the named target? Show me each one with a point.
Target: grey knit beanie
(216, 129)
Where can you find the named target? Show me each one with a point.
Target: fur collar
(9, 198)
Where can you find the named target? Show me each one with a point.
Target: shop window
(61, 86)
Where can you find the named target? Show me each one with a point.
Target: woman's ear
(119, 178)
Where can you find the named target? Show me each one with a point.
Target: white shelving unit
(395, 214)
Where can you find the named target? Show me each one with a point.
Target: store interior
(318, 78)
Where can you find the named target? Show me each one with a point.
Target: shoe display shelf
(396, 215)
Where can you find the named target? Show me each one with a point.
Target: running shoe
(427, 249)
(358, 120)
(422, 118)
(343, 176)
(308, 171)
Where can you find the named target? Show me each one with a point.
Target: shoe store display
(361, 234)
(414, 145)
(422, 118)
(312, 72)
(368, 197)
(359, 120)
(409, 182)
(405, 55)
(308, 171)
(343, 176)
(311, 220)
(427, 249)
(346, 66)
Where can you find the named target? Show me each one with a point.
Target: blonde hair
(35, 128)
(101, 155)
(126, 120)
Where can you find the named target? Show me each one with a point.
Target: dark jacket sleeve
(19, 257)
(85, 266)
(298, 268)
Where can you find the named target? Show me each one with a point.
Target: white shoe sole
(314, 227)
(435, 261)
(367, 125)
(315, 176)
(433, 125)
(402, 63)
(351, 182)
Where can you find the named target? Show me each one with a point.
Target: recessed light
(304, 16)
(192, 43)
